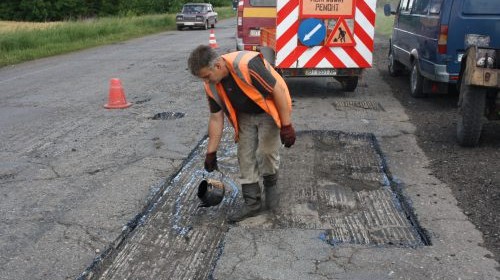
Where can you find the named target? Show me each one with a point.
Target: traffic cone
(212, 41)
(116, 99)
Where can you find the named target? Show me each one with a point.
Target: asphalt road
(74, 174)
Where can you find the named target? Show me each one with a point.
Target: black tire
(179, 27)
(416, 81)
(349, 83)
(395, 67)
(470, 114)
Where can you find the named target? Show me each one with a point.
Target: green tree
(109, 7)
(52, 10)
(34, 10)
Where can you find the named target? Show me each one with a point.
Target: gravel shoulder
(472, 173)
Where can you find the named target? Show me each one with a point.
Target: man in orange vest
(255, 99)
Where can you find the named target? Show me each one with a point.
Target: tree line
(56, 10)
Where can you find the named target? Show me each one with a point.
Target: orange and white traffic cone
(212, 41)
(116, 98)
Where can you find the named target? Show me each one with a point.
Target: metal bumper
(191, 23)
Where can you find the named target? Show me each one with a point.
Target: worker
(255, 99)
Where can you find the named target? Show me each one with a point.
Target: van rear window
(481, 7)
(263, 3)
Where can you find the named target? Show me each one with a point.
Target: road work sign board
(341, 35)
(350, 29)
(312, 32)
(327, 8)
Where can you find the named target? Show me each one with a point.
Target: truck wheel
(395, 67)
(349, 83)
(470, 114)
(416, 81)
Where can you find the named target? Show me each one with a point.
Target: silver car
(196, 15)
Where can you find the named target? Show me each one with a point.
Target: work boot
(271, 191)
(252, 205)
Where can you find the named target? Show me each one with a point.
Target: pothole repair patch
(337, 182)
(329, 181)
(168, 116)
(360, 104)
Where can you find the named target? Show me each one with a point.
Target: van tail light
(443, 39)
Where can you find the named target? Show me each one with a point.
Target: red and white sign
(341, 35)
(357, 54)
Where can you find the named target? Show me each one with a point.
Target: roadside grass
(383, 24)
(6, 26)
(27, 41)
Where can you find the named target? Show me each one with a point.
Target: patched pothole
(333, 182)
(142, 101)
(362, 104)
(168, 116)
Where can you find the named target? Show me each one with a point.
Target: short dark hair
(201, 57)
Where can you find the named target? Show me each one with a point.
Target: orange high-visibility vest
(237, 63)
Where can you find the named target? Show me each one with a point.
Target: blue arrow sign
(312, 32)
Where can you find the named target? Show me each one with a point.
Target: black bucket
(210, 192)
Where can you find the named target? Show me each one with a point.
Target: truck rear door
(254, 15)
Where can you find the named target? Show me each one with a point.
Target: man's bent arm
(215, 128)
(281, 101)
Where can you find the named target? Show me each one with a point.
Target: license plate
(189, 23)
(477, 40)
(320, 72)
(255, 32)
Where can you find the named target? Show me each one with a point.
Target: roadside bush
(56, 10)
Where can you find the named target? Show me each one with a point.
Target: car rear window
(435, 7)
(481, 7)
(193, 9)
(422, 7)
(263, 3)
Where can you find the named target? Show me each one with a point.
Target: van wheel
(416, 81)
(470, 114)
(395, 67)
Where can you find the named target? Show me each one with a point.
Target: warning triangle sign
(341, 36)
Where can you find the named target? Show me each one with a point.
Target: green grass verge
(383, 24)
(23, 45)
